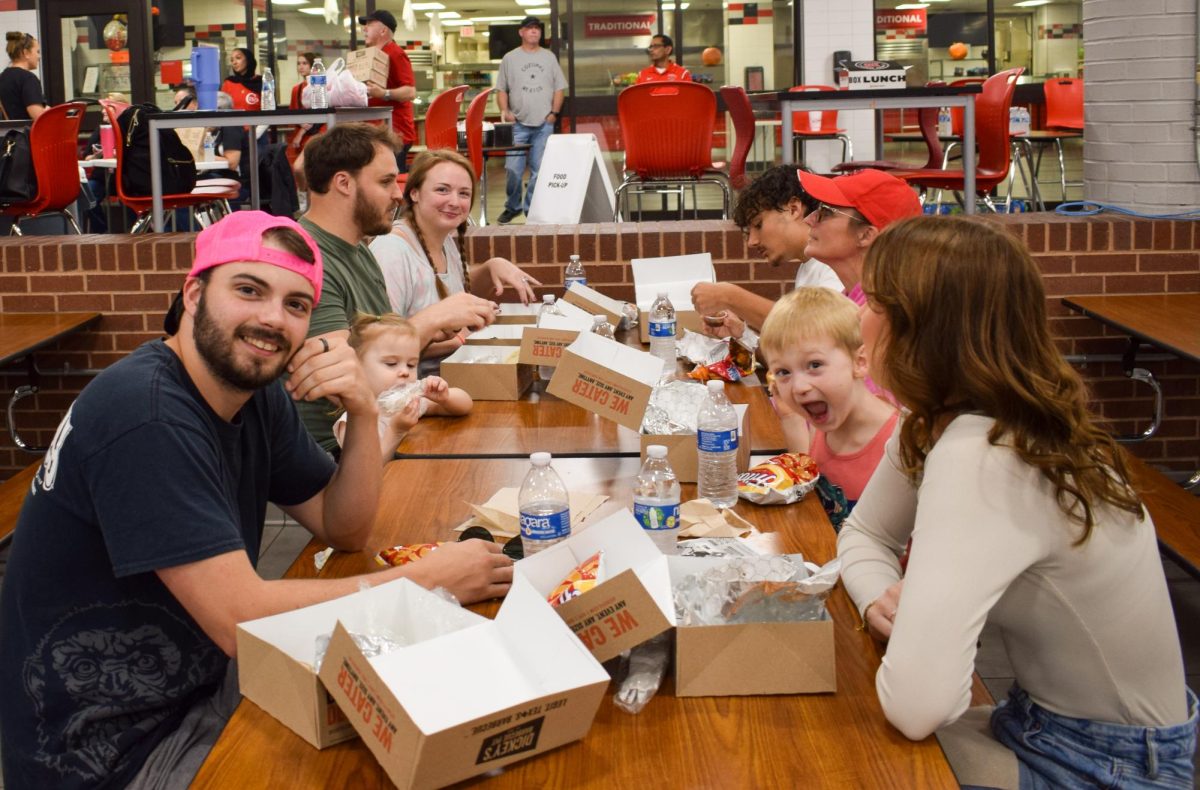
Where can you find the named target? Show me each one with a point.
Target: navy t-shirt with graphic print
(98, 661)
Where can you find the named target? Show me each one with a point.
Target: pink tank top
(852, 471)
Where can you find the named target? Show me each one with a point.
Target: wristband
(863, 625)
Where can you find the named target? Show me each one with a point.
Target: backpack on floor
(178, 164)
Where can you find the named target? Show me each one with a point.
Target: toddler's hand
(403, 421)
(436, 389)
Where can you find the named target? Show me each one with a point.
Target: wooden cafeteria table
(1167, 321)
(542, 422)
(21, 334)
(817, 740)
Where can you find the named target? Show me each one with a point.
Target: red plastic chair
(441, 119)
(927, 118)
(668, 130)
(474, 124)
(992, 141)
(956, 113)
(738, 105)
(828, 130)
(54, 143)
(1064, 120)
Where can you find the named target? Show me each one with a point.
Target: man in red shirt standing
(662, 68)
(379, 28)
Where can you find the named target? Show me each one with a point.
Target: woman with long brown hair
(424, 257)
(1021, 514)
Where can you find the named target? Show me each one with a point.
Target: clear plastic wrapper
(779, 588)
(647, 663)
(395, 399)
(673, 408)
(629, 315)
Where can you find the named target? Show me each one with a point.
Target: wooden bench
(1176, 514)
(12, 496)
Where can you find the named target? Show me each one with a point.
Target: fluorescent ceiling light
(444, 15)
(530, 2)
(517, 18)
(1031, 3)
(427, 6)
(453, 22)
(911, 6)
(538, 11)
(313, 11)
(289, 2)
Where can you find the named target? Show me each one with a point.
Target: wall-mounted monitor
(502, 39)
(950, 28)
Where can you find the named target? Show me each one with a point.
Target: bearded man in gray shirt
(529, 90)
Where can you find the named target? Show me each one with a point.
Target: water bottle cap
(547, 298)
(540, 459)
(662, 294)
(715, 386)
(598, 319)
(574, 258)
(657, 451)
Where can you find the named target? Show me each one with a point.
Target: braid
(462, 253)
(437, 281)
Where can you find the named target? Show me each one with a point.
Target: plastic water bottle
(547, 308)
(574, 273)
(662, 331)
(267, 100)
(717, 446)
(319, 93)
(656, 499)
(543, 504)
(210, 147)
(600, 326)
(945, 127)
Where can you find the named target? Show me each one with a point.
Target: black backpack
(178, 164)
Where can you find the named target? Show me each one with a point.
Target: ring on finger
(324, 345)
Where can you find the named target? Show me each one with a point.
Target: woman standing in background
(305, 131)
(20, 90)
(243, 85)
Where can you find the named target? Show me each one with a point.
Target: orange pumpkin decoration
(711, 57)
(959, 51)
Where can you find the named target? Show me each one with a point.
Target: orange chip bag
(586, 575)
(780, 480)
(402, 555)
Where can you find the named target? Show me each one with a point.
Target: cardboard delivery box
(497, 335)
(505, 380)
(607, 378)
(544, 344)
(595, 303)
(370, 63)
(632, 605)
(458, 704)
(277, 659)
(724, 660)
(675, 274)
(681, 448)
(517, 313)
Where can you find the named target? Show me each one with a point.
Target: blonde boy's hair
(365, 326)
(811, 312)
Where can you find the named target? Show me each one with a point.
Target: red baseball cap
(880, 197)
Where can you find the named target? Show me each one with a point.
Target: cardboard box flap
(271, 679)
(573, 311)
(517, 313)
(594, 302)
(675, 274)
(471, 354)
(711, 660)
(630, 362)
(506, 333)
(582, 322)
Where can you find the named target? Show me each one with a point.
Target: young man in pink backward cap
(134, 555)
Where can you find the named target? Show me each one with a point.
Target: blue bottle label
(656, 516)
(662, 329)
(546, 527)
(573, 280)
(316, 80)
(717, 441)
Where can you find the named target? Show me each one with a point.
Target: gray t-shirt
(530, 80)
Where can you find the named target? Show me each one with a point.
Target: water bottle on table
(543, 503)
(318, 89)
(210, 147)
(600, 326)
(656, 499)
(662, 331)
(267, 99)
(574, 273)
(547, 308)
(717, 448)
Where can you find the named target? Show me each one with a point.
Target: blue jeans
(1061, 752)
(514, 164)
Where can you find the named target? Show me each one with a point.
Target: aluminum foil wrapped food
(780, 480)
(673, 408)
(701, 349)
(373, 638)
(395, 399)
(766, 589)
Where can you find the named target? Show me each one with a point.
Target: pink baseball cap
(880, 197)
(239, 237)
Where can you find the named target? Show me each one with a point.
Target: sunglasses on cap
(824, 211)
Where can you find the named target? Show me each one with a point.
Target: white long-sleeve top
(1089, 629)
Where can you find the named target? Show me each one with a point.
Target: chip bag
(402, 555)
(780, 480)
(586, 575)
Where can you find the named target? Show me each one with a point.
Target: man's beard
(216, 349)
(370, 220)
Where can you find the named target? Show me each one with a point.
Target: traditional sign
(618, 25)
(913, 19)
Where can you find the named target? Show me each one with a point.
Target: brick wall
(131, 282)
(1139, 64)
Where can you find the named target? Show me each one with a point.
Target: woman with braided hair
(423, 259)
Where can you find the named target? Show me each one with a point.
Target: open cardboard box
(727, 660)
(517, 313)
(487, 380)
(276, 656)
(681, 448)
(631, 606)
(544, 344)
(607, 378)
(497, 335)
(369, 63)
(473, 699)
(595, 303)
(675, 274)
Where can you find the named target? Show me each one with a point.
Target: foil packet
(673, 408)
(765, 589)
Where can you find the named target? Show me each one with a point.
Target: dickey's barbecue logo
(515, 740)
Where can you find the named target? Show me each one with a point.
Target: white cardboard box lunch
(504, 380)
(544, 344)
(607, 378)
(473, 699)
(682, 453)
(632, 605)
(497, 335)
(593, 302)
(675, 274)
